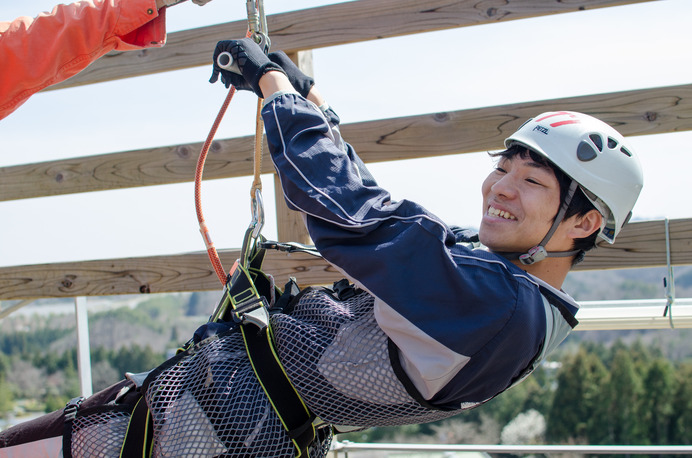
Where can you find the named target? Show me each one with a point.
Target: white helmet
(594, 155)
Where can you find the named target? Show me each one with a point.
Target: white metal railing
(343, 449)
(83, 346)
(634, 314)
(593, 315)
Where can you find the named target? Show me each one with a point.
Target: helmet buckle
(534, 255)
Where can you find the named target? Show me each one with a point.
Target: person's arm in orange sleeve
(39, 52)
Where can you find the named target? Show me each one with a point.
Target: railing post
(83, 348)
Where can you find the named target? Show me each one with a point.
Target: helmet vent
(596, 139)
(625, 152)
(612, 143)
(586, 152)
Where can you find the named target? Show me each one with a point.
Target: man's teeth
(501, 213)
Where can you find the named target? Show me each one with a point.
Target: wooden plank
(5, 312)
(152, 166)
(637, 112)
(330, 25)
(641, 244)
(156, 274)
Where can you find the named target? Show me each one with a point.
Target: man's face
(520, 200)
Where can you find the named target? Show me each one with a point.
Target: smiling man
(437, 324)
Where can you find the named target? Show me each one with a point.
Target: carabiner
(257, 24)
(252, 234)
(257, 214)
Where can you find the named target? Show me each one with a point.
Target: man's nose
(506, 186)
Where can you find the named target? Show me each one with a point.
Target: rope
(257, 163)
(211, 250)
(256, 183)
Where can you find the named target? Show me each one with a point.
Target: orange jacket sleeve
(36, 53)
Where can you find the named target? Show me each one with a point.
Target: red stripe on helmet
(573, 120)
(557, 113)
(562, 123)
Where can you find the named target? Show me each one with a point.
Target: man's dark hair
(579, 206)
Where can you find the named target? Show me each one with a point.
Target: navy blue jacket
(492, 320)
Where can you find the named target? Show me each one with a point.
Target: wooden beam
(155, 274)
(330, 25)
(641, 244)
(637, 112)
(5, 312)
(146, 167)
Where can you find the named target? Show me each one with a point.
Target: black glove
(251, 61)
(300, 81)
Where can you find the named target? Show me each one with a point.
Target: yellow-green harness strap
(249, 308)
(139, 437)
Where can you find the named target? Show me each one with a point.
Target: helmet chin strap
(539, 253)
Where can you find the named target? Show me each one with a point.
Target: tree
(6, 398)
(4, 364)
(579, 382)
(624, 397)
(681, 432)
(457, 430)
(201, 303)
(528, 428)
(104, 375)
(539, 396)
(507, 405)
(659, 386)
(55, 402)
(26, 378)
(527, 395)
(136, 359)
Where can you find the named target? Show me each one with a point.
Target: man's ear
(586, 225)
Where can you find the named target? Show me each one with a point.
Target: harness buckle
(72, 407)
(343, 289)
(534, 255)
(252, 311)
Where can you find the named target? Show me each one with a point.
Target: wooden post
(289, 224)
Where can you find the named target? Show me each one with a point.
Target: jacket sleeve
(52, 47)
(353, 222)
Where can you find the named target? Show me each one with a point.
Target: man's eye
(532, 181)
(500, 170)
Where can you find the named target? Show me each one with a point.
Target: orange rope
(256, 184)
(211, 250)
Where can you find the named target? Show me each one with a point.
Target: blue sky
(599, 51)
